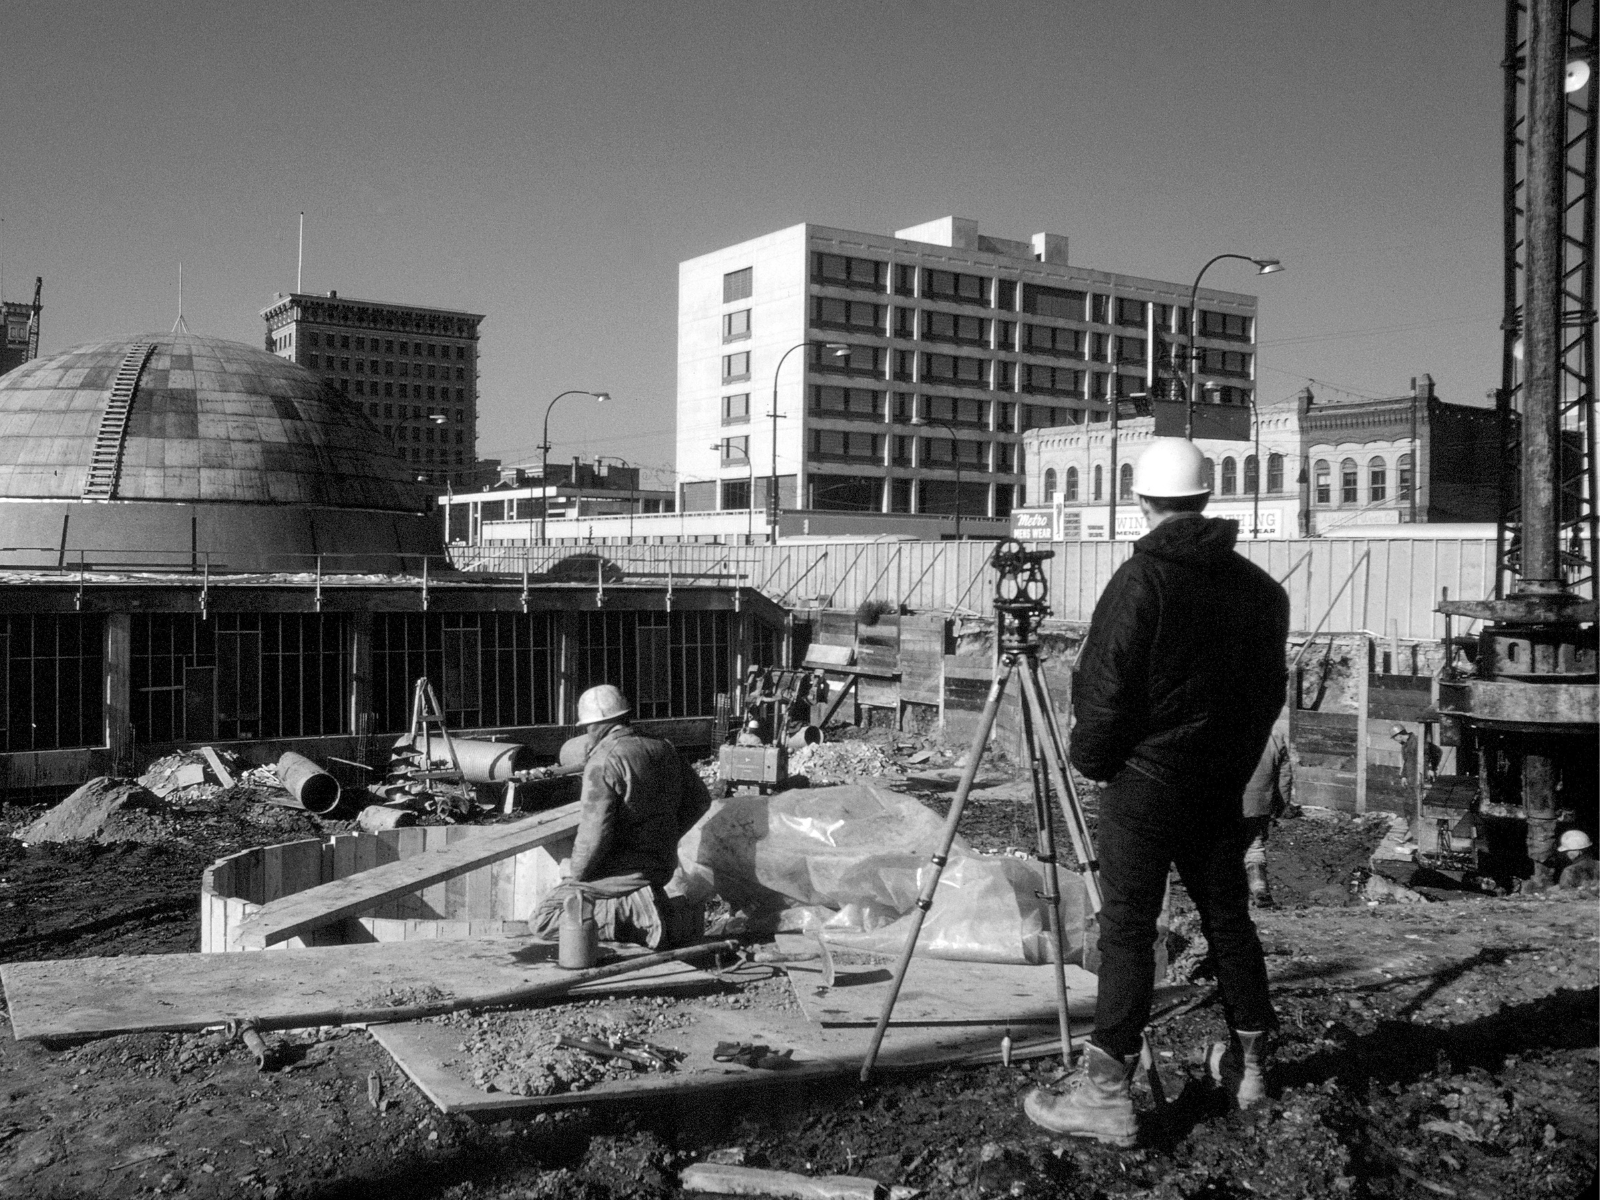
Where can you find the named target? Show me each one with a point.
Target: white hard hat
(1574, 839)
(1170, 468)
(601, 703)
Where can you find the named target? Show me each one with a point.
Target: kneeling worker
(639, 798)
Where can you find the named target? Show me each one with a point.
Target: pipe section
(312, 788)
(481, 762)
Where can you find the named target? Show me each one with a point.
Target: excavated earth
(1442, 1049)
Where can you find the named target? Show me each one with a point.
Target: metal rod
(1033, 692)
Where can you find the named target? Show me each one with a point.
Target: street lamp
(632, 497)
(838, 350)
(750, 500)
(1264, 266)
(544, 454)
(955, 453)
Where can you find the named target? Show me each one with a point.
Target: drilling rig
(1518, 697)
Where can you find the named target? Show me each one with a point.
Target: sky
(549, 164)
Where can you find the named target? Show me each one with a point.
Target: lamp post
(1255, 497)
(544, 454)
(1264, 266)
(839, 350)
(750, 500)
(632, 498)
(955, 453)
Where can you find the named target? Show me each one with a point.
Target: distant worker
(1178, 684)
(1578, 867)
(639, 798)
(1266, 796)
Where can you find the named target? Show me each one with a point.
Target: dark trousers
(1145, 827)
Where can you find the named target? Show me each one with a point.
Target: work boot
(1260, 890)
(1096, 1103)
(1239, 1066)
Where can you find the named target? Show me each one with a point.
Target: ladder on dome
(105, 465)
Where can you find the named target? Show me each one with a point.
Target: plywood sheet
(464, 850)
(429, 1053)
(84, 997)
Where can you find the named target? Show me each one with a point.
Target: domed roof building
(173, 449)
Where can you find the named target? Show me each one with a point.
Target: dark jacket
(1182, 673)
(639, 797)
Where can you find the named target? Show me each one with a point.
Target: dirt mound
(100, 810)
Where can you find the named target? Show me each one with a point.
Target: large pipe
(1540, 568)
(481, 762)
(313, 788)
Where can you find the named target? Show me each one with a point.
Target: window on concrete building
(1130, 312)
(1047, 339)
(736, 285)
(954, 327)
(1377, 480)
(1005, 295)
(957, 410)
(1274, 472)
(736, 325)
(1125, 481)
(846, 444)
(863, 403)
(1404, 481)
(1131, 350)
(1049, 486)
(1058, 381)
(1100, 309)
(54, 669)
(735, 409)
(1210, 475)
(905, 280)
(1232, 327)
(1069, 491)
(953, 285)
(1323, 484)
(736, 451)
(900, 448)
(735, 494)
(1003, 454)
(736, 366)
(1062, 303)
(1099, 483)
(1252, 474)
(1349, 482)
(828, 312)
(1230, 476)
(839, 270)
(859, 360)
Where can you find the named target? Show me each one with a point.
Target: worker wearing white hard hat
(1179, 680)
(638, 799)
(1578, 866)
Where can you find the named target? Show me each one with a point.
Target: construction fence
(1385, 586)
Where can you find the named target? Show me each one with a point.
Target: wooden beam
(1363, 699)
(280, 920)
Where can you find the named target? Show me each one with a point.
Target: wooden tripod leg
(1034, 695)
(980, 739)
(1045, 852)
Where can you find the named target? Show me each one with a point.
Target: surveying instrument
(1019, 605)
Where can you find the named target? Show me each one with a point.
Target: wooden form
(292, 911)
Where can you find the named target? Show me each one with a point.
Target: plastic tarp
(850, 861)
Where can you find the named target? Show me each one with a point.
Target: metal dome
(207, 420)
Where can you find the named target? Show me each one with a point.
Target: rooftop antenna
(180, 323)
(300, 260)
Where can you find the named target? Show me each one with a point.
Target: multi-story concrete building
(413, 370)
(921, 360)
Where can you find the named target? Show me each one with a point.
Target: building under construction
(204, 543)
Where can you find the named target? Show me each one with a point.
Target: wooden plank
(366, 890)
(84, 997)
(220, 771)
(921, 676)
(435, 838)
(822, 654)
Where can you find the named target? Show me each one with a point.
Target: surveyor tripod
(1020, 594)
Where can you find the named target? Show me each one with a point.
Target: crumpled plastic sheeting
(849, 861)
